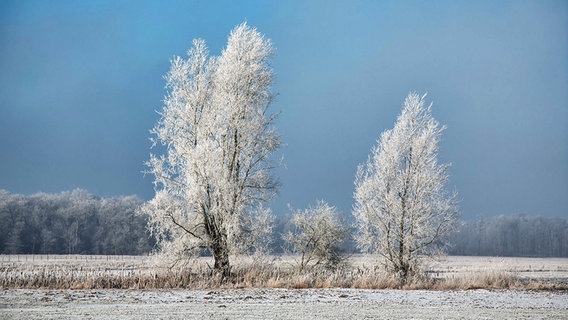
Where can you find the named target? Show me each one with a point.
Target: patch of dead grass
(254, 274)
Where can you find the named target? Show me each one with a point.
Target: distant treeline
(77, 222)
(73, 222)
(513, 236)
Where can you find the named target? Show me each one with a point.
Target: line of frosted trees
(214, 177)
(513, 235)
(72, 222)
(76, 222)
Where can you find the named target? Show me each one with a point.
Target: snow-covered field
(528, 268)
(271, 303)
(552, 269)
(282, 304)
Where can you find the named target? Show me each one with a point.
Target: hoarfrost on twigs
(402, 208)
(215, 175)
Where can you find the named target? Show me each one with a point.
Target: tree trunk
(221, 255)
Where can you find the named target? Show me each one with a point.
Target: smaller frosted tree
(317, 237)
(402, 209)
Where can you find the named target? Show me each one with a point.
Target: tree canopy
(402, 209)
(215, 175)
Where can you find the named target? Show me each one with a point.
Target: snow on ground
(282, 304)
(245, 304)
(551, 269)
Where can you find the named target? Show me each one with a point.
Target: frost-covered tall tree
(218, 135)
(402, 208)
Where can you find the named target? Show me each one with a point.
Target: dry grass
(84, 272)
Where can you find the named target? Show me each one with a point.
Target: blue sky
(81, 82)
